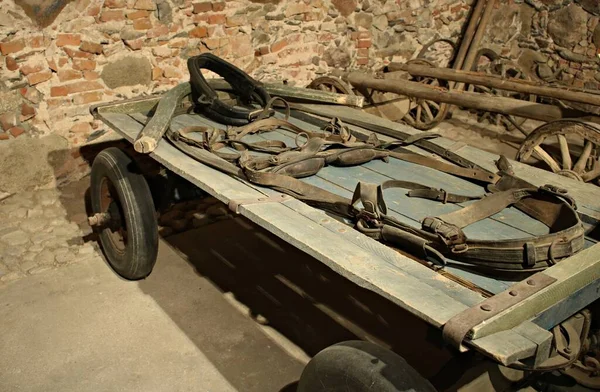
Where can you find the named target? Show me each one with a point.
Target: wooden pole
(515, 85)
(467, 38)
(477, 101)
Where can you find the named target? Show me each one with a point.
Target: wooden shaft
(501, 84)
(153, 131)
(465, 42)
(488, 103)
(474, 47)
(301, 93)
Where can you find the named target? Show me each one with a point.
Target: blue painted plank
(523, 225)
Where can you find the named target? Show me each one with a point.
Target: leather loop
(530, 255)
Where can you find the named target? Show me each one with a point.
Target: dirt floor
(227, 307)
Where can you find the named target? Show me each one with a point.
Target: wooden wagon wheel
(424, 114)
(489, 62)
(439, 52)
(330, 84)
(573, 154)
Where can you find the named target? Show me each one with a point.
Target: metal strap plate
(459, 326)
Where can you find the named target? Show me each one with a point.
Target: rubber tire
(359, 366)
(138, 208)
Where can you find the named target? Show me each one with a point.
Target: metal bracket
(459, 326)
(234, 205)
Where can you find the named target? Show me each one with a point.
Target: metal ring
(301, 134)
(552, 260)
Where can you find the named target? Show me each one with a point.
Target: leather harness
(279, 167)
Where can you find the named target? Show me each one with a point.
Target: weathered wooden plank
(540, 336)
(396, 259)
(119, 121)
(567, 306)
(355, 263)
(572, 274)
(522, 342)
(299, 93)
(505, 347)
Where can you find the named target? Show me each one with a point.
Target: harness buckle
(553, 189)
(371, 218)
(443, 196)
(558, 192)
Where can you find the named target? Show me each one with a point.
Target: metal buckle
(444, 196)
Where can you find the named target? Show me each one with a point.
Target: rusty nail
(531, 282)
(342, 230)
(324, 220)
(486, 307)
(513, 293)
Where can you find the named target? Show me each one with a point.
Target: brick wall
(53, 65)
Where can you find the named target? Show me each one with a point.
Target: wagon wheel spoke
(595, 172)
(564, 152)
(435, 105)
(543, 155)
(583, 158)
(428, 113)
(419, 111)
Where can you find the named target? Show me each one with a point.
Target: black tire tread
(358, 366)
(138, 207)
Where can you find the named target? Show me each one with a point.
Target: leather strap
(445, 234)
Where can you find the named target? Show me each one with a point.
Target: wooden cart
(517, 329)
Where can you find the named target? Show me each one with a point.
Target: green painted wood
(505, 347)
(572, 274)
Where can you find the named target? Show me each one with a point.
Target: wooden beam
(516, 85)
(299, 93)
(155, 129)
(484, 102)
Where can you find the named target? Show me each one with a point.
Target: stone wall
(57, 61)
(60, 56)
(554, 40)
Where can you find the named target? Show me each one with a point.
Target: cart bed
(368, 263)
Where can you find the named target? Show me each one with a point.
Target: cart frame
(515, 332)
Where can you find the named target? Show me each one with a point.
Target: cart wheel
(330, 84)
(423, 114)
(358, 366)
(573, 154)
(124, 214)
